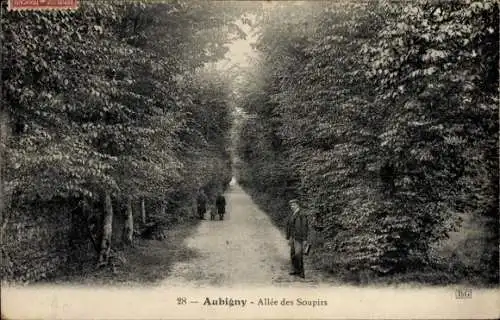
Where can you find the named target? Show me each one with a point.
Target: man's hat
(293, 201)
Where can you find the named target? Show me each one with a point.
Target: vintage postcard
(249, 159)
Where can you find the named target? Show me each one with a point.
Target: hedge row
(382, 118)
(113, 101)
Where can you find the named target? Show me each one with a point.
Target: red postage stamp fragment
(42, 4)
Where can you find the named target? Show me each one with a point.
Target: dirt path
(243, 249)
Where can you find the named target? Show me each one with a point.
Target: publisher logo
(463, 293)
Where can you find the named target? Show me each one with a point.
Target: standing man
(297, 232)
(202, 204)
(220, 203)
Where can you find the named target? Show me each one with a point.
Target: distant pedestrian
(297, 233)
(212, 212)
(220, 203)
(201, 204)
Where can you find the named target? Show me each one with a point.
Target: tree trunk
(143, 210)
(107, 231)
(128, 228)
(163, 207)
(194, 206)
(3, 136)
(3, 147)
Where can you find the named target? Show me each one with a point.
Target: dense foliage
(112, 99)
(382, 117)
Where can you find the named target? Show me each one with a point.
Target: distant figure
(202, 204)
(220, 203)
(297, 232)
(212, 212)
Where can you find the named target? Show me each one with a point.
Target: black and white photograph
(328, 152)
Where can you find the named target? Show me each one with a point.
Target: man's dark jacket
(220, 202)
(297, 227)
(202, 201)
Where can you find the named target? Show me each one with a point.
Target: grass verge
(146, 262)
